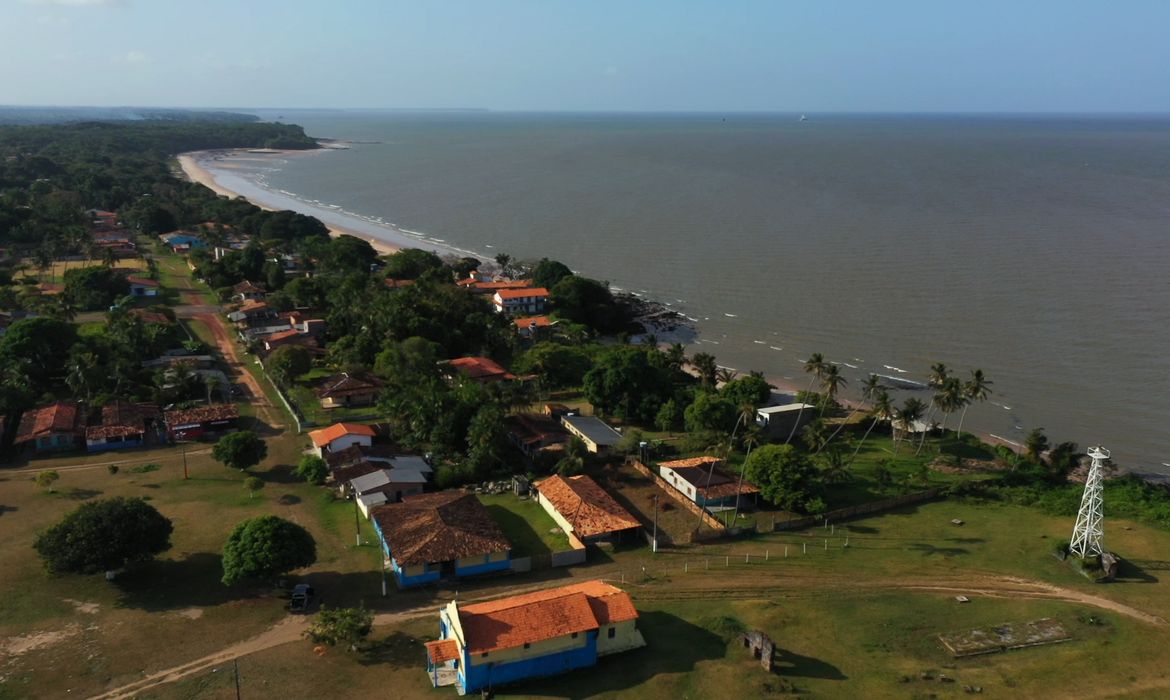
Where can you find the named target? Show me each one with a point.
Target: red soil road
(231, 358)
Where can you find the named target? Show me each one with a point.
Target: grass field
(530, 530)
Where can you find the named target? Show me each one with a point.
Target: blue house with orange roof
(531, 635)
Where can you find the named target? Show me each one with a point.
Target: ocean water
(1034, 248)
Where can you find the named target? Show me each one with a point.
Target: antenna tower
(1087, 533)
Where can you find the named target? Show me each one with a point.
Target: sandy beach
(212, 170)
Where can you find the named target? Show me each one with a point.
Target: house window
(483, 655)
(574, 635)
(527, 645)
(611, 633)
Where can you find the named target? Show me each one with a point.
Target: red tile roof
(56, 418)
(435, 527)
(142, 281)
(588, 508)
(325, 436)
(529, 321)
(512, 622)
(442, 650)
(120, 419)
(151, 316)
(521, 293)
(494, 285)
(481, 368)
(203, 414)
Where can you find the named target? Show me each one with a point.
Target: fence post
(766, 554)
(686, 566)
(785, 551)
(826, 545)
(747, 558)
(708, 564)
(727, 561)
(847, 542)
(805, 545)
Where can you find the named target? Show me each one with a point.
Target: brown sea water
(1035, 248)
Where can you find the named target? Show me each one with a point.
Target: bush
(104, 536)
(112, 469)
(341, 625)
(312, 469)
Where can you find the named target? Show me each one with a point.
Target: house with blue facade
(429, 536)
(56, 427)
(485, 645)
(700, 479)
(123, 424)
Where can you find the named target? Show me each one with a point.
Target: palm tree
(724, 375)
(831, 383)
(814, 365)
(976, 389)
(676, 356)
(912, 410)
(834, 467)
(1036, 444)
(952, 399)
(704, 362)
(869, 389)
(938, 377)
(109, 257)
(505, 262)
(882, 409)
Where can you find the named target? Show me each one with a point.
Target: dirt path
(231, 358)
(991, 586)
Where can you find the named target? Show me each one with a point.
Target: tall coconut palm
(676, 356)
(724, 375)
(952, 398)
(938, 377)
(978, 388)
(814, 365)
(869, 389)
(882, 409)
(752, 436)
(704, 363)
(831, 382)
(911, 411)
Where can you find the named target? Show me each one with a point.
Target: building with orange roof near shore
(580, 506)
(531, 635)
(523, 300)
(340, 436)
(483, 370)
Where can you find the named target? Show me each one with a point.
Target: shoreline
(214, 169)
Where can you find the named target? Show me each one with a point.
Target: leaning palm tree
(953, 398)
(831, 383)
(724, 375)
(814, 365)
(869, 389)
(976, 389)
(910, 412)
(938, 377)
(882, 409)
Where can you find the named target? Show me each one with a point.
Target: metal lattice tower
(1087, 533)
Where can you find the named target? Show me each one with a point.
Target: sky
(591, 55)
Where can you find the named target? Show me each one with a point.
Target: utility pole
(357, 523)
(182, 436)
(654, 545)
(236, 665)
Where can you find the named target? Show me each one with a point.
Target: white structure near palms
(1087, 533)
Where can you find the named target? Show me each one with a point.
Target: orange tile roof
(529, 321)
(691, 462)
(141, 281)
(480, 285)
(60, 417)
(521, 293)
(533, 617)
(442, 650)
(481, 368)
(588, 508)
(325, 436)
(202, 414)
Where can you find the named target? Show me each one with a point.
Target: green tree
(253, 484)
(265, 547)
(94, 288)
(704, 363)
(411, 263)
(1035, 445)
(288, 362)
(486, 441)
(104, 535)
(46, 479)
(752, 389)
(881, 409)
(831, 382)
(40, 348)
(588, 302)
(240, 450)
(626, 382)
(710, 411)
(347, 626)
(911, 411)
(548, 272)
(312, 469)
(669, 416)
(785, 476)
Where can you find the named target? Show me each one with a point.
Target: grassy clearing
(530, 530)
(310, 407)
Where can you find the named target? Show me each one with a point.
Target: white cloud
(76, 3)
(139, 57)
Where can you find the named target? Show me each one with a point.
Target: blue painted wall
(473, 678)
(502, 565)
